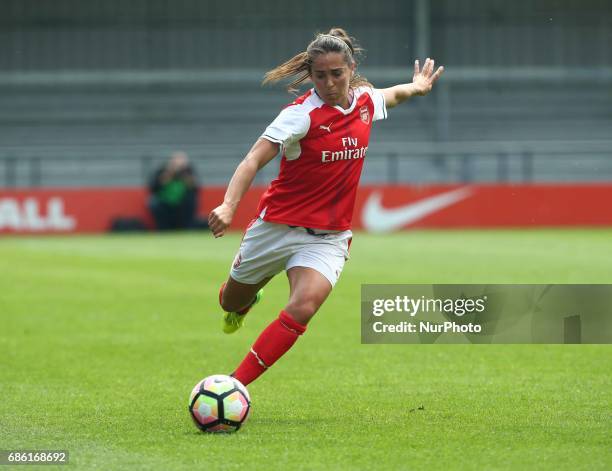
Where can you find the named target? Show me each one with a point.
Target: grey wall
(94, 92)
(151, 34)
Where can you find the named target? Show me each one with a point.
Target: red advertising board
(381, 208)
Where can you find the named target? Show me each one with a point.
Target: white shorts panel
(269, 248)
(261, 254)
(328, 264)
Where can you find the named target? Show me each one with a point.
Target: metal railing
(452, 162)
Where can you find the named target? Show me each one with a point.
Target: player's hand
(424, 79)
(220, 218)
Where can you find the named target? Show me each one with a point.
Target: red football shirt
(323, 149)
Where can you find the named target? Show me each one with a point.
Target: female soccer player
(303, 220)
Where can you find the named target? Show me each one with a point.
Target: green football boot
(232, 321)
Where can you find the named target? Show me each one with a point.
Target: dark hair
(299, 66)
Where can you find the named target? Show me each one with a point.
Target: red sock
(243, 311)
(272, 343)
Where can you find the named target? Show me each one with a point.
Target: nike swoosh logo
(376, 218)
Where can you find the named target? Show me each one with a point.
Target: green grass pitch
(103, 337)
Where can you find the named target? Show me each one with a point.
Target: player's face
(331, 76)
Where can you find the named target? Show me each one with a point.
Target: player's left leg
(308, 290)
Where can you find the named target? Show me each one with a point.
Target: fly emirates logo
(350, 151)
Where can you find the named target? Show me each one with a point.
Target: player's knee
(229, 305)
(225, 305)
(302, 311)
(224, 300)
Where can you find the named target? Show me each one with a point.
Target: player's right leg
(239, 297)
(261, 256)
(236, 299)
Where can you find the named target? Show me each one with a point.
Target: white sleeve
(290, 126)
(380, 108)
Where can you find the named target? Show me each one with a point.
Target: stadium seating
(98, 134)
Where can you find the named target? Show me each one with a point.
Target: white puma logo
(327, 128)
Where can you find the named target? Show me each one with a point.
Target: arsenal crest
(364, 112)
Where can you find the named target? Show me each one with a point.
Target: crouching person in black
(174, 194)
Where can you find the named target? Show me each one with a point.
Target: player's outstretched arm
(422, 83)
(260, 154)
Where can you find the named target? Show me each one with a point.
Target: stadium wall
(379, 208)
